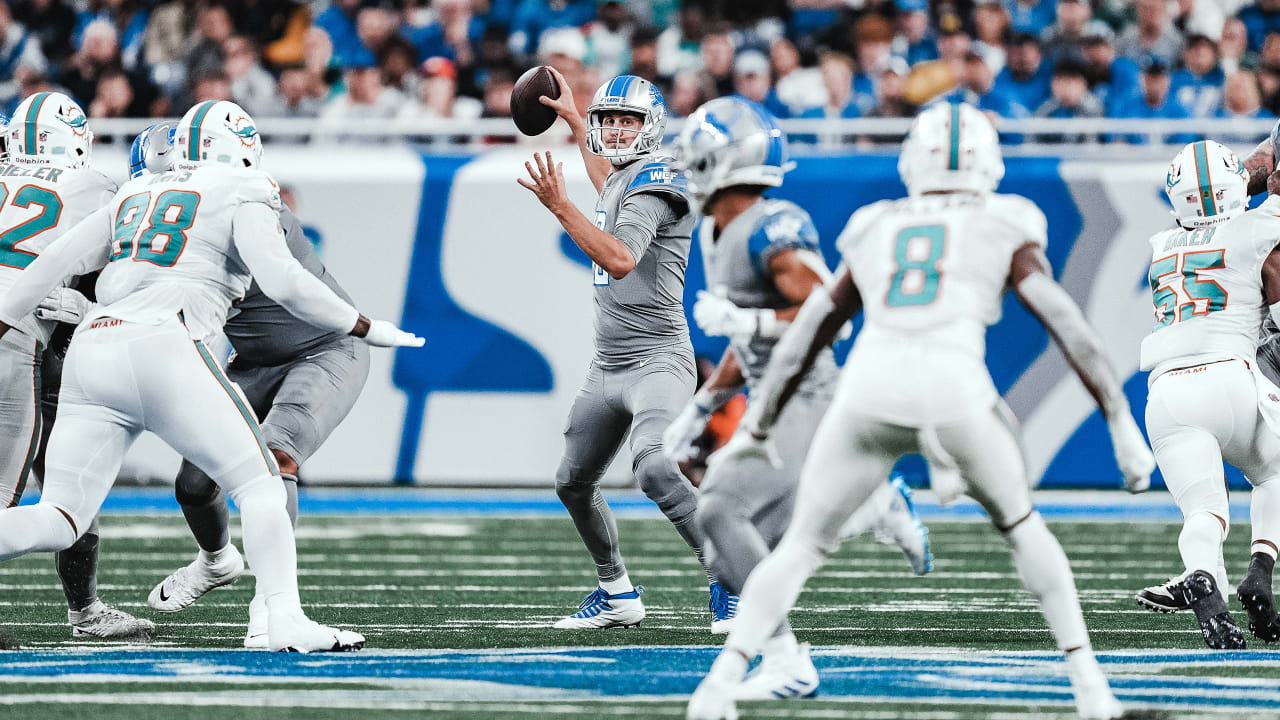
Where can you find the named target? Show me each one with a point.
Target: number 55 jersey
(932, 271)
(1206, 289)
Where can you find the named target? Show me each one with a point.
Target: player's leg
(1191, 416)
(20, 421)
(988, 457)
(1260, 462)
(593, 433)
(215, 429)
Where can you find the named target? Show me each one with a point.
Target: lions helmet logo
(242, 127)
(74, 119)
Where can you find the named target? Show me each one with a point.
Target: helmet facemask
(627, 94)
(600, 136)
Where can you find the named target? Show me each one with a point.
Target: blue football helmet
(731, 141)
(632, 94)
(152, 150)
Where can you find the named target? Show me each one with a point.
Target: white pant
(122, 378)
(1200, 416)
(19, 413)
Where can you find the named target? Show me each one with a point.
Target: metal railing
(1109, 137)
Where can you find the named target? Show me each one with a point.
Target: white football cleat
(103, 621)
(600, 610)
(294, 632)
(899, 525)
(713, 700)
(255, 638)
(187, 584)
(781, 675)
(1094, 699)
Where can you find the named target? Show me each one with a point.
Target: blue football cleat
(724, 609)
(901, 526)
(600, 610)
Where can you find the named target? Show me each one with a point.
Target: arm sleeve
(638, 221)
(83, 249)
(258, 237)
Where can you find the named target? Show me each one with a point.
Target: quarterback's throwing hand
(548, 182)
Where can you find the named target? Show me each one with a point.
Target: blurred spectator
(98, 52)
(126, 16)
(915, 40)
(339, 22)
(1069, 97)
(1154, 101)
(374, 27)
(298, 94)
(1242, 97)
(991, 28)
(213, 28)
(211, 85)
(891, 100)
(1199, 17)
(751, 80)
(50, 22)
(113, 97)
(564, 49)
(609, 37)
(252, 87)
(437, 95)
(1026, 77)
(837, 77)
(796, 86)
(1030, 16)
(533, 17)
(398, 60)
(171, 31)
(717, 59)
(978, 88)
(1269, 72)
(953, 49)
(1260, 19)
(679, 46)
(1063, 40)
(275, 27)
(1198, 85)
(1152, 36)
(872, 36)
(644, 55)
(497, 93)
(1111, 78)
(1233, 47)
(689, 89)
(18, 48)
(455, 34)
(365, 97)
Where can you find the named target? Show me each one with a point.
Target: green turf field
(419, 586)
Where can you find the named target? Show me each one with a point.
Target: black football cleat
(1256, 597)
(1200, 592)
(1162, 597)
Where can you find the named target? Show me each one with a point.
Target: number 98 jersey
(1206, 289)
(932, 272)
(172, 249)
(37, 205)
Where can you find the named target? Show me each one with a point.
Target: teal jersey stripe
(193, 142)
(33, 113)
(244, 411)
(954, 162)
(1202, 177)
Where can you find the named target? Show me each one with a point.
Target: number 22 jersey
(1206, 289)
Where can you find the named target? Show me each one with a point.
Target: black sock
(78, 569)
(208, 522)
(1261, 566)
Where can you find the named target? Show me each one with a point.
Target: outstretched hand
(548, 182)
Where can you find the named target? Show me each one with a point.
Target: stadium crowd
(357, 59)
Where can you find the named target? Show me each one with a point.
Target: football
(532, 117)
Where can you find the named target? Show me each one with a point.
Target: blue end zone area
(1085, 506)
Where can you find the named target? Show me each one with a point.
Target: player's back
(172, 248)
(38, 204)
(1207, 290)
(932, 271)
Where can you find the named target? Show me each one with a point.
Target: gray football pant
(642, 398)
(300, 403)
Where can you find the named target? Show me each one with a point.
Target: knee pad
(193, 488)
(288, 428)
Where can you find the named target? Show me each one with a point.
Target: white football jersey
(1206, 287)
(37, 205)
(172, 248)
(932, 271)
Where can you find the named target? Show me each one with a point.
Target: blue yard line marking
(544, 503)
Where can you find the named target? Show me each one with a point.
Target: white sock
(1264, 515)
(728, 668)
(268, 542)
(771, 592)
(620, 585)
(1044, 570)
(868, 515)
(1200, 542)
(33, 528)
(215, 557)
(783, 644)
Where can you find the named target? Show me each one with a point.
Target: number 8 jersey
(1206, 289)
(932, 271)
(37, 205)
(172, 248)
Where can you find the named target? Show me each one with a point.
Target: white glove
(680, 435)
(744, 445)
(719, 317)
(384, 334)
(64, 305)
(1132, 454)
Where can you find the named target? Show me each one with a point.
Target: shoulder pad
(658, 177)
(859, 223)
(1023, 216)
(782, 226)
(259, 187)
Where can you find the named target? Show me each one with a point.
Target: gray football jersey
(737, 266)
(262, 332)
(644, 311)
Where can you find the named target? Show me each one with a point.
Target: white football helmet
(1206, 184)
(49, 128)
(632, 94)
(217, 131)
(951, 147)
